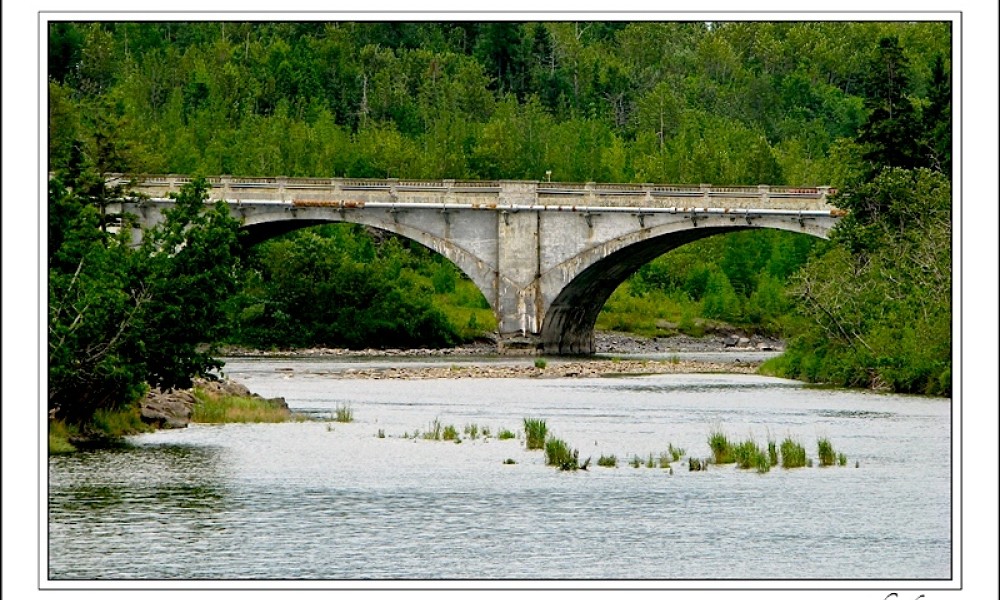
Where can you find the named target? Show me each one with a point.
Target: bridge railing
(316, 189)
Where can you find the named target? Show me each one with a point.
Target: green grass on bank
(646, 314)
(105, 427)
(236, 409)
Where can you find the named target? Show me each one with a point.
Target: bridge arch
(259, 230)
(585, 282)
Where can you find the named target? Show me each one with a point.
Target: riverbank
(618, 354)
(221, 401)
(543, 369)
(614, 343)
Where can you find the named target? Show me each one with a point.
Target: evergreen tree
(892, 132)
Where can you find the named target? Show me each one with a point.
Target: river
(372, 499)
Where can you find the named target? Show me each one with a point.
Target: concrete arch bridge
(546, 255)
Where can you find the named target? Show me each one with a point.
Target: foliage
(59, 438)
(824, 449)
(449, 433)
(782, 103)
(722, 448)
(674, 452)
(607, 461)
(336, 287)
(881, 315)
(214, 408)
(123, 318)
(344, 413)
(434, 432)
(735, 103)
(535, 431)
(793, 454)
(558, 454)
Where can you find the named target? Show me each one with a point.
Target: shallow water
(326, 500)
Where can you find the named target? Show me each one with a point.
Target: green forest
(864, 107)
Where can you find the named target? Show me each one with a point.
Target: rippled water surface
(327, 500)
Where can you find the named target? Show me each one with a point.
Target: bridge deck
(535, 195)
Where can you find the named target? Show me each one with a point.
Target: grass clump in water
(506, 434)
(636, 462)
(761, 462)
(772, 451)
(558, 454)
(722, 448)
(827, 457)
(750, 456)
(343, 413)
(607, 461)
(434, 432)
(842, 459)
(744, 453)
(535, 431)
(472, 431)
(449, 433)
(675, 453)
(793, 454)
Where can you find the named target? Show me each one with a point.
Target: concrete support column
(519, 301)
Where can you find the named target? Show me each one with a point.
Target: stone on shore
(169, 409)
(172, 409)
